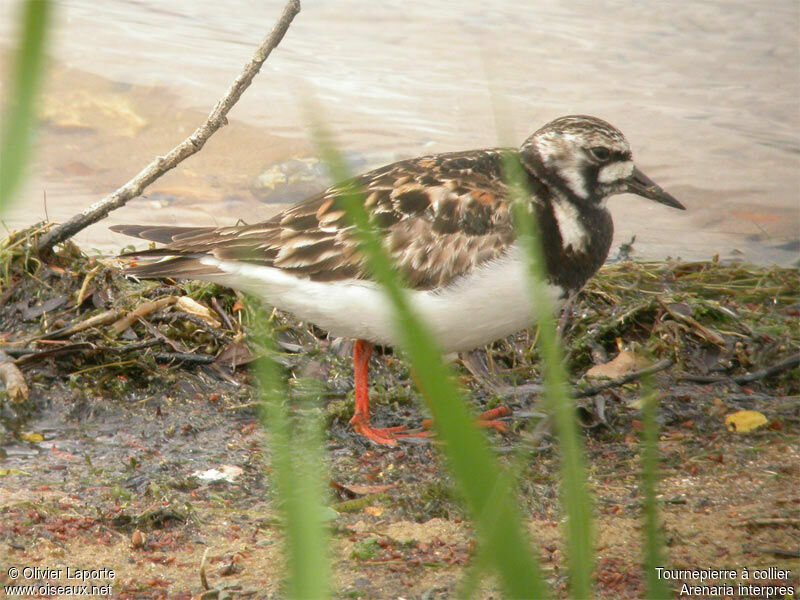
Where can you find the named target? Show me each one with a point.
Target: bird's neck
(576, 236)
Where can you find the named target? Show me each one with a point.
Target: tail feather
(179, 267)
(177, 263)
(186, 247)
(163, 234)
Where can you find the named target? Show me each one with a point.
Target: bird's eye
(600, 153)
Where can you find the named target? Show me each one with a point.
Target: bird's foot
(386, 436)
(485, 419)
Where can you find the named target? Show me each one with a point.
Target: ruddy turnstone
(446, 224)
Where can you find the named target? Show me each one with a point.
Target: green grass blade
(298, 474)
(472, 577)
(18, 121)
(487, 489)
(653, 544)
(577, 505)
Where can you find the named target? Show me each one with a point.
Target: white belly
(489, 303)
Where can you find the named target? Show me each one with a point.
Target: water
(706, 92)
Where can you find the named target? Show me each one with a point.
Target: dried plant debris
(140, 397)
(12, 379)
(708, 317)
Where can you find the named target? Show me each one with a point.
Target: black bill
(641, 185)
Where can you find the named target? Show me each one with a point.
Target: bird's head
(589, 160)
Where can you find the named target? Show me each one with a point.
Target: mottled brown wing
(440, 216)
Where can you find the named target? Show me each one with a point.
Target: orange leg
(362, 351)
(360, 421)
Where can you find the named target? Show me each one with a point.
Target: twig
(784, 365)
(789, 363)
(593, 391)
(50, 353)
(85, 286)
(201, 359)
(140, 312)
(703, 332)
(222, 314)
(170, 318)
(104, 318)
(131, 347)
(189, 146)
(25, 357)
(12, 379)
(120, 363)
(156, 333)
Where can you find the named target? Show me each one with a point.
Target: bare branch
(789, 363)
(189, 146)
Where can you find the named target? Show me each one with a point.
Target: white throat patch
(615, 171)
(573, 234)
